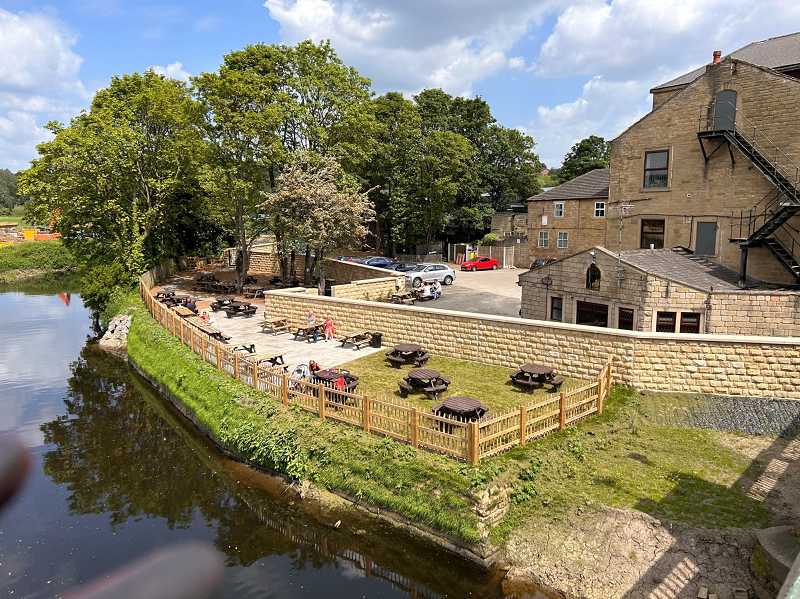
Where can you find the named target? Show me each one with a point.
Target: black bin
(376, 340)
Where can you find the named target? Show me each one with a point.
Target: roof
(593, 184)
(683, 266)
(773, 53)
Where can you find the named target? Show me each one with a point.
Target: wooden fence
(461, 439)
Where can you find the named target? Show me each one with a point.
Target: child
(330, 329)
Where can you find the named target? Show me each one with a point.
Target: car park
(539, 262)
(480, 263)
(349, 258)
(430, 272)
(379, 261)
(402, 266)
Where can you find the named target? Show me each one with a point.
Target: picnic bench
(183, 311)
(405, 297)
(356, 339)
(206, 328)
(404, 352)
(251, 349)
(236, 308)
(310, 331)
(221, 303)
(276, 324)
(160, 295)
(274, 359)
(534, 376)
(430, 382)
(254, 292)
(332, 376)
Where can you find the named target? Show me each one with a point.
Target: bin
(376, 340)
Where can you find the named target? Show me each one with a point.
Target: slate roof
(773, 53)
(591, 185)
(682, 266)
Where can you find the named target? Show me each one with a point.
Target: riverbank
(34, 260)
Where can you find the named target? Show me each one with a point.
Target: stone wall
(722, 364)
(268, 262)
(698, 191)
(584, 230)
(370, 289)
(347, 272)
(755, 313)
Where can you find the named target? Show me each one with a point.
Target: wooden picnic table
(208, 329)
(423, 376)
(407, 348)
(183, 311)
(254, 292)
(207, 278)
(163, 294)
(221, 303)
(276, 324)
(466, 407)
(308, 331)
(237, 308)
(355, 338)
(274, 358)
(537, 370)
(403, 298)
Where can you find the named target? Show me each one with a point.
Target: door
(706, 239)
(725, 110)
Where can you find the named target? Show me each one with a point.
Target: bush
(489, 239)
(38, 255)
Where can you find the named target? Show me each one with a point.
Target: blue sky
(559, 70)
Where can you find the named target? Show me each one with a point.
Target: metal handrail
(752, 216)
(737, 128)
(791, 245)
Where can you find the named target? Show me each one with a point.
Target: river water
(118, 472)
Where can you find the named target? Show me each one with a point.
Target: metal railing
(744, 127)
(788, 238)
(749, 221)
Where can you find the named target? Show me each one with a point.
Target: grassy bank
(33, 258)
(421, 486)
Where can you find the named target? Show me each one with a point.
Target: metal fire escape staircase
(766, 223)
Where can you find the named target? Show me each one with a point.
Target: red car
(480, 263)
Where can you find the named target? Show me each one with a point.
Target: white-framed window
(544, 239)
(558, 209)
(563, 239)
(599, 209)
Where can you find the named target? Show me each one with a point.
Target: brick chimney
(717, 56)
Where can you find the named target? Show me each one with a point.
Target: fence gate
(503, 255)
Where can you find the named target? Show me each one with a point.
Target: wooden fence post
(191, 338)
(562, 419)
(219, 363)
(181, 321)
(608, 382)
(321, 400)
(285, 389)
(414, 428)
(365, 414)
(473, 453)
(255, 376)
(235, 365)
(601, 380)
(203, 348)
(523, 417)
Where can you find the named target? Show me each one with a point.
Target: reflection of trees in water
(121, 451)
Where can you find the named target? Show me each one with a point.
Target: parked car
(402, 266)
(539, 262)
(349, 258)
(429, 272)
(379, 261)
(480, 263)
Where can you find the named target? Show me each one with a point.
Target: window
(652, 233)
(544, 239)
(656, 168)
(626, 319)
(593, 277)
(665, 322)
(690, 322)
(595, 315)
(558, 209)
(557, 309)
(599, 209)
(563, 239)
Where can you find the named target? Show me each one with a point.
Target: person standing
(330, 329)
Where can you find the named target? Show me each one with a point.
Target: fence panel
(498, 434)
(271, 381)
(542, 418)
(228, 359)
(304, 393)
(445, 435)
(390, 419)
(582, 402)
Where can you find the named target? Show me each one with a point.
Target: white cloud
(173, 70)
(19, 135)
(410, 45)
(37, 54)
(207, 23)
(626, 47)
(516, 62)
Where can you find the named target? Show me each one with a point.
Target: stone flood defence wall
(721, 364)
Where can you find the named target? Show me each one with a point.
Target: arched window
(593, 277)
(725, 110)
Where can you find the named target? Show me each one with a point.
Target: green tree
(586, 155)
(110, 178)
(8, 190)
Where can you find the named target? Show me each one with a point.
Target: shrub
(39, 255)
(489, 239)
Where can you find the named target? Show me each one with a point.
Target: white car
(428, 272)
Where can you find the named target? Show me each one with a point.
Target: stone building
(714, 166)
(661, 290)
(569, 218)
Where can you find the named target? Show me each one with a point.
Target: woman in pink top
(329, 329)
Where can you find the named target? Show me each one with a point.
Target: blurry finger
(190, 570)
(14, 465)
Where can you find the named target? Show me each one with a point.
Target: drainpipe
(743, 268)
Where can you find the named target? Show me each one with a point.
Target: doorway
(725, 110)
(706, 244)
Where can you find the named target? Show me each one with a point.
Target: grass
(36, 255)
(488, 384)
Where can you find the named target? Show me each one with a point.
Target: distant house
(570, 217)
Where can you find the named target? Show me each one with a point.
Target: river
(118, 472)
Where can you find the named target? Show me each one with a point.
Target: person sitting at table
(330, 329)
(312, 320)
(204, 316)
(437, 289)
(208, 318)
(190, 303)
(426, 290)
(313, 367)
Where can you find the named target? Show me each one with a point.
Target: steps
(783, 255)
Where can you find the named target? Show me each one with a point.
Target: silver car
(429, 272)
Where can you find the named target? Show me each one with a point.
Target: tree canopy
(586, 155)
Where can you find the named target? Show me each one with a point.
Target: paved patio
(244, 331)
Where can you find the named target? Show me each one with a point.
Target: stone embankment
(115, 339)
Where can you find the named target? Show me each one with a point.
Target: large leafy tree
(8, 191)
(587, 155)
(109, 180)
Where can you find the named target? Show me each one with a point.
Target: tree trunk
(284, 264)
(293, 266)
(242, 257)
(307, 268)
(377, 233)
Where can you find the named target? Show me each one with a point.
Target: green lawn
(488, 384)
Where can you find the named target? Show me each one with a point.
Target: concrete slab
(486, 292)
